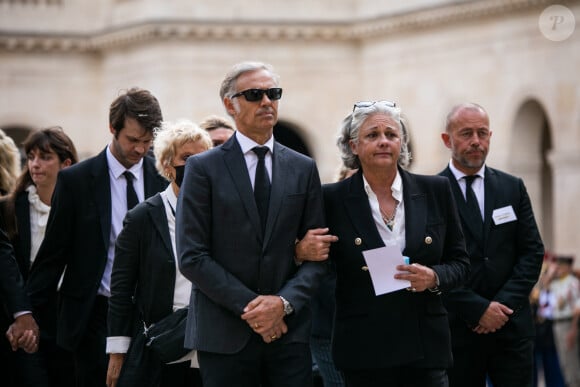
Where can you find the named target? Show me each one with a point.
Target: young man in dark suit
(88, 207)
(249, 314)
(490, 317)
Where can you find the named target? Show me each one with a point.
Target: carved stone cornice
(195, 30)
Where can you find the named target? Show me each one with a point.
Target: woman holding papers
(401, 337)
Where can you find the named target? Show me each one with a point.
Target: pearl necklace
(389, 220)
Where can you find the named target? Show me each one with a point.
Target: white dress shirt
(477, 185)
(38, 219)
(119, 209)
(247, 144)
(397, 236)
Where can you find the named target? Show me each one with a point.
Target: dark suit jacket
(398, 328)
(12, 293)
(22, 241)
(77, 237)
(142, 287)
(505, 265)
(222, 250)
(143, 278)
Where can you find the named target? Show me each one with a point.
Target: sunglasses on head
(367, 104)
(254, 95)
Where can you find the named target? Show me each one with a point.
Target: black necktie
(262, 184)
(471, 200)
(131, 194)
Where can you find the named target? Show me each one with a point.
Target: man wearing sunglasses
(242, 207)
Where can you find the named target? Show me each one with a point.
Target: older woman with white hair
(392, 337)
(146, 285)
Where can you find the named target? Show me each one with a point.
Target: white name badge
(503, 215)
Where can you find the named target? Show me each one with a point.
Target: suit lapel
(101, 188)
(359, 212)
(280, 171)
(156, 210)
(491, 186)
(236, 164)
(415, 212)
(22, 209)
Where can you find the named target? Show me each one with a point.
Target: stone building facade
(63, 61)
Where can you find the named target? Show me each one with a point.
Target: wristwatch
(288, 309)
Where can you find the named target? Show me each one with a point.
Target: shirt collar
(459, 175)
(247, 143)
(396, 187)
(117, 168)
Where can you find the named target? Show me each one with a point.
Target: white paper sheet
(382, 263)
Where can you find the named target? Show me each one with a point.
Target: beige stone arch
(291, 135)
(529, 149)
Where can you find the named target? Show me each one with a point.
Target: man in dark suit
(23, 332)
(249, 312)
(490, 317)
(88, 205)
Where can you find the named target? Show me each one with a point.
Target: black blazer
(22, 241)
(505, 265)
(222, 250)
(398, 328)
(12, 293)
(77, 237)
(143, 277)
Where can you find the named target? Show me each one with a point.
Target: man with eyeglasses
(490, 318)
(241, 209)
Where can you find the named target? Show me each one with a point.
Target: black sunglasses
(254, 95)
(367, 104)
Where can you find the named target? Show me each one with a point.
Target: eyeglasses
(367, 104)
(254, 95)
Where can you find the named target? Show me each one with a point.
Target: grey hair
(228, 87)
(350, 127)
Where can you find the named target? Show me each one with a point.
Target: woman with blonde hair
(9, 163)
(146, 282)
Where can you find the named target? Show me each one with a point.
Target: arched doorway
(530, 145)
(287, 134)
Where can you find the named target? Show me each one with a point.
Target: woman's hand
(421, 277)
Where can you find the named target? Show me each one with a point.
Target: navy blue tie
(132, 200)
(262, 184)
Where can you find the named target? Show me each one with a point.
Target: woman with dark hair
(24, 215)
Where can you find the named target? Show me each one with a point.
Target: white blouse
(38, 219)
